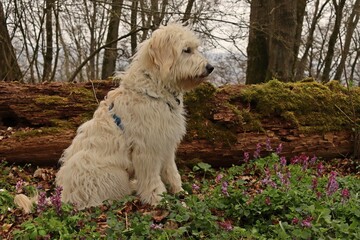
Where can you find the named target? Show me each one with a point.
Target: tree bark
(351, 25)
(48, 58)
(110, 53)
(9, 68)
(257, 49)
(37, 122)
(332, 40)
(275, 34)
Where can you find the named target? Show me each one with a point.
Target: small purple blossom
(283, 161)
(246, 157)
(314, 184)
(267, 180)
(313, 160)
(218, 178)
(41, 202)
(267, 201)
(305, 163)
(345, 194)
(318, 194)
(226, 225)
(332, 185)
(155, 226)
(224, 188)
(195, 187)
(279, 149)
(306, 223)
(257, 151)
(320, 169)
(294, 221)
(268, 145)
(19, 185)
(284, 178)
(276, 167)
(56, 199)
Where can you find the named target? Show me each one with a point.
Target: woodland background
(251, 42)
(248, 41)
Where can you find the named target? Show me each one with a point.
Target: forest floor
(268, 197)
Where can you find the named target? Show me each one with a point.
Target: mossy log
(37, 122)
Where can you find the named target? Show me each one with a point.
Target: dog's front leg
(147, 168)
(170, 174)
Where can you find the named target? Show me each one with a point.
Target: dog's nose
(209, 68)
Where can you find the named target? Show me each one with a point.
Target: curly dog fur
(129, 145)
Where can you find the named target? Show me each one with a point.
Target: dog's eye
(187, 50)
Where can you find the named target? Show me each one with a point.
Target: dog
(130, 143)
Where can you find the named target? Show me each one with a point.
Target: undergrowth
(268, 197)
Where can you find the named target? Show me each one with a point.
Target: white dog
(135, 131)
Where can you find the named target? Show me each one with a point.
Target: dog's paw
(176, 189)
(154, 197)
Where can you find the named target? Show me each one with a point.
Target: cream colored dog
(135, 131)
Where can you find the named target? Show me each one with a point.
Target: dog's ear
(162, 52)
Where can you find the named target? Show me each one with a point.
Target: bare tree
(110, 53)
(352, 21)
(275, 28)
(339, 6)
(318, 12)
(48, 57)
(9, 68)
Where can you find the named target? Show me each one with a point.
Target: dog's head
(173, 50)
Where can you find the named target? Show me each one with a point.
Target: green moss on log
(308, 105)
(200, 104)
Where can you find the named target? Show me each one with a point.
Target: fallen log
(37, 122)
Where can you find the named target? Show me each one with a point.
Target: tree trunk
(332, 40)
(49, 40)
(110, 53)
(275, 33)
(257, 49)
(222, 123)
(300, 68)
(133, 22)
(9, 68)
(351, 25)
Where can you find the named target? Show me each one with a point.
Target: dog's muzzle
(209, 68)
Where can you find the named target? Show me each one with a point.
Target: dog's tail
(24, 202)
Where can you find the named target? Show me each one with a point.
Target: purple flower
(320, 169)
(56, 199)
(226, 225)
(268, 145)
(284, 178)
(313, 160)
(257, 151)
(267, 201)
(218, 178)
(294, 221)
(279, 149)
(306, 223)
(283, 161)
(19, 185)
(276, 167)
(345, 194)
(318, 195)
(195, 187)
(332, 185)
(155, 226)
(224, 189)
(246, 157)
(314, 184)
(305, 163)
(41, 202)
(267, 180)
